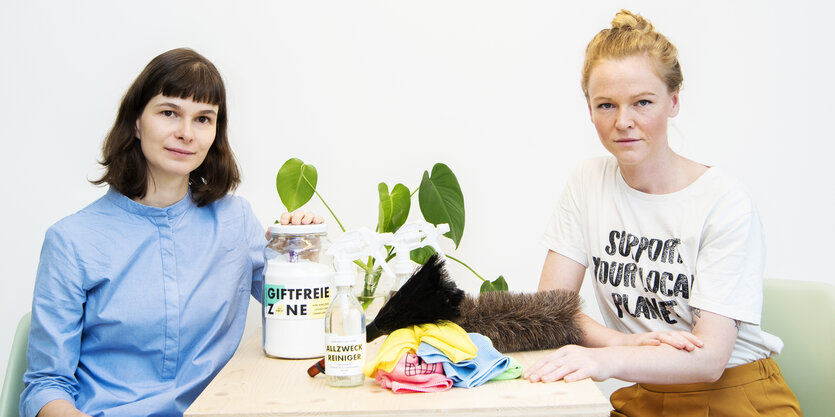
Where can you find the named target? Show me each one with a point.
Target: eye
(167, 113)
(605, 106)
(204, 119)
(644, 102)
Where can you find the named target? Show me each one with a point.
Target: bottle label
(287, 303)
(344, 355)
(296, 291)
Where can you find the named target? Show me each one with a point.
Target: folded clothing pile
(436, 356)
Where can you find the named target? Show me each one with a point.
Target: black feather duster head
(428, 296)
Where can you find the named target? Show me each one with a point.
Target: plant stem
(413, 192)
(323, 202)
(466, 266)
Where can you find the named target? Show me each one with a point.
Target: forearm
(663, 364)
(597, 335)
(60, 408)
(640, 361)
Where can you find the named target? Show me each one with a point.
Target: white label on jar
(283, 303)
(344, 355)
(298, 291)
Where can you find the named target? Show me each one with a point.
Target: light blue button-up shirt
(136, 308)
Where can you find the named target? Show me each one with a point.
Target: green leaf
(441, 201)
(498, 285)
(295, 183)
(393, 208)
(421, 255)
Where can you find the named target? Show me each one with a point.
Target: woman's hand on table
(569, 363)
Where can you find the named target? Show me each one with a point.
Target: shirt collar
(131, 206)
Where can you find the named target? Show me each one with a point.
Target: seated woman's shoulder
(597, 164)
(232, 203)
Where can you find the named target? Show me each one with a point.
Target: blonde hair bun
(631, 35)
(628, 20)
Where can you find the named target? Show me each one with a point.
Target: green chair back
(13, 382)
(802, 313)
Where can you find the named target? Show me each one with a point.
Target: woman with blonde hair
(675, 248)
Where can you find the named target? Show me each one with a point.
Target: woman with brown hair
(676, 251)
(141, 297)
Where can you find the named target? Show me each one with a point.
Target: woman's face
(629, 106)
(175, 135)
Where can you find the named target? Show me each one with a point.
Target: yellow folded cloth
(446, 336)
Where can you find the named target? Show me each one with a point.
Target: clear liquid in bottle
(345, 340)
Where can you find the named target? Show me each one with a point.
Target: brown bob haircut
(180, 73)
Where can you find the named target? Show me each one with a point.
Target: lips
(179, 152)
(627, 141)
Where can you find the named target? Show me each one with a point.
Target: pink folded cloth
(412, 374)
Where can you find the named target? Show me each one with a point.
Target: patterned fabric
(412, 374)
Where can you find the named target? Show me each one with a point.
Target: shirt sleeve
(730, 263)
(55, 336)
(564, 231)
(256, 241)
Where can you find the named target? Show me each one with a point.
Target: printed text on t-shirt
(623, 268)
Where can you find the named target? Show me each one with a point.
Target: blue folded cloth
(487, 364)
(513, 371)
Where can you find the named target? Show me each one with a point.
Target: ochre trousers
(753, 389)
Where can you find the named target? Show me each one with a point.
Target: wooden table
(252, 384)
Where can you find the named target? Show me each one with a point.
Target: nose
(185, 131)
(625, 119)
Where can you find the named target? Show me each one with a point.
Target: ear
(136, 133)
(675, 104)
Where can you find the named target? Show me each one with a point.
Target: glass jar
(297, 291)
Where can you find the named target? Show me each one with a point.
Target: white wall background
(371, 91)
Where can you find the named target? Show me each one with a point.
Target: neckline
(131, 206)
(656, 197)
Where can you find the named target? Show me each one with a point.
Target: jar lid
(298, 229)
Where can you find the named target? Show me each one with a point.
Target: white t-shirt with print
(654, 257)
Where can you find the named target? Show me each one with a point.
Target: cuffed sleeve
(55, 335)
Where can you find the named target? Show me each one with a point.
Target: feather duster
(518, 322)
(429, 296)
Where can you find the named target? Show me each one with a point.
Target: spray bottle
(409, 237)
(345, 318)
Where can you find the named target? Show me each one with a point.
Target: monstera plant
(439, 197)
